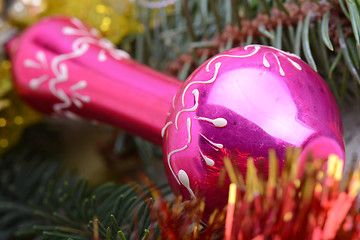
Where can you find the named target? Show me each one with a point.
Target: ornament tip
(11, 45)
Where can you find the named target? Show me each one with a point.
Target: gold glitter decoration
(2, 122)
(105, 24)
(4, 142)
(101, 9)
(1, 5)
(115, 19)
(18, 120)
(5, 83)
(5, 64)
(15, 115)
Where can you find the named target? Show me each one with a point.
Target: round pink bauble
(240, 104)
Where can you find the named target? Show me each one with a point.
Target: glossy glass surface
(63, 67)
(240, 104)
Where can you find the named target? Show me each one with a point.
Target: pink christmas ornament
(239, 103)
(64, 68)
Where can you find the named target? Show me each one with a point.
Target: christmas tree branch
(316, 31)
(37, 200)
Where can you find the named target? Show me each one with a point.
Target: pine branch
(40, 202)
(37, 201)
(324, 33)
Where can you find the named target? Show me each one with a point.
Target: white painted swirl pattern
(60, 69)
(182, 177)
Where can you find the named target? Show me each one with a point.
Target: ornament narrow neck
(11, 45)
(320, 148)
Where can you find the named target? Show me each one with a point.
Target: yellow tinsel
(15, 116)
(115, 19)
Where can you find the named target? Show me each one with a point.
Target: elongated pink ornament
(239, 103)
(63, 67)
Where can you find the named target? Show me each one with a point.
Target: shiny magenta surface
(62, 67)
(240, 104)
